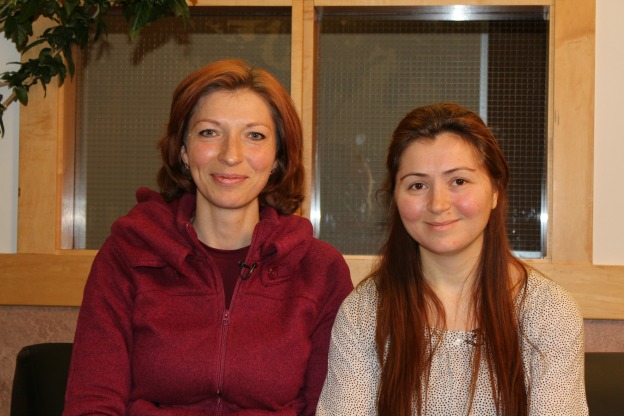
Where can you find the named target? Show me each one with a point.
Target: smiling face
(444, 196)
(230, 149)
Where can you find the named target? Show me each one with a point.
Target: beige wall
(8, 159)
(609, 135)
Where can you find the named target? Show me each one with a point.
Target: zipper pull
(226, 318)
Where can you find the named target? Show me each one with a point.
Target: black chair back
(604, 383)
(40, 379)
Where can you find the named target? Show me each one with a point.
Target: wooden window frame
(43, 272)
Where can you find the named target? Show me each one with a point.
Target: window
(374, 65)
(124, 93)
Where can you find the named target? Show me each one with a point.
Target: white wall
(608, 148)
(609, 134)
(9, 147)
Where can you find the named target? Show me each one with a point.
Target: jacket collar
(156, 233)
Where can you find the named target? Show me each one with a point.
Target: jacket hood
(156, 233)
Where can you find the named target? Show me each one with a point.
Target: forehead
(443, 151)
(223, 100)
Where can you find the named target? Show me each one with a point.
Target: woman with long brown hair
(450, 322)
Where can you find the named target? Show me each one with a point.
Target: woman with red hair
(449, 322)
(211, 297)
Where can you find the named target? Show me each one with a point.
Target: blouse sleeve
(353, 372)
(554, 352)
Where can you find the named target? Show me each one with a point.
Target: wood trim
(66, 164)
(297, 52)
(573, 131)
(394, 3)
(242, 3)
(39, 128)
(58, 280)
(307, 115)
(44, 279)
(549, 153)
(598, 289)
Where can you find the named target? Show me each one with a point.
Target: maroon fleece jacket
(153, 335)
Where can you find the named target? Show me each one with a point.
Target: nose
(231, 151)
(439, 200)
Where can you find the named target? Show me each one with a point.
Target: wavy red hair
(284, 190)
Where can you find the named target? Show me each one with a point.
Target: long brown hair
(284, 190)
(403, 336)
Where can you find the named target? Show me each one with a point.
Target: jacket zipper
(225, 322)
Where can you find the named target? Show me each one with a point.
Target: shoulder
(150, 209)
(154, 232)
(294, 236)
(287, 243)
(327, 267)
(360, 306)
(290, 224)
(549, 311)
(544, 295)
(326, 250)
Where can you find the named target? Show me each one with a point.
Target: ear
(494, 199)
(184, 155)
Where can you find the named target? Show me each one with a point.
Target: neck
(452, 280)
(446, 273)
(226, 229)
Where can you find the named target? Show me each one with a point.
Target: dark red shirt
(228, 263)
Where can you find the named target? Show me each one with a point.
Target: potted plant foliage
(73, 23)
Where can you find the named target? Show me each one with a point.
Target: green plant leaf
(28, 11)
(16, 32)
(141, 18)
(21, 94)
(69, 58)
(180, 9)
(33, 44)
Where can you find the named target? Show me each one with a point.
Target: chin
(440, 250)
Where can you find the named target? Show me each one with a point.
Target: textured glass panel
(373, 69)
(124, 94)
(518, 115)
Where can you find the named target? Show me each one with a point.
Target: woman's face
(444, 196)
(230, 149)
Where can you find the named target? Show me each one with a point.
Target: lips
(442, 225)
(228, 179)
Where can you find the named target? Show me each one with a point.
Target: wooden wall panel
(44, 279)
(37, 196)
(573, 131)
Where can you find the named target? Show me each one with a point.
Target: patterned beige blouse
(552, 349)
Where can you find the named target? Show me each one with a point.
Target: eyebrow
(448, 172)
(216, 122)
